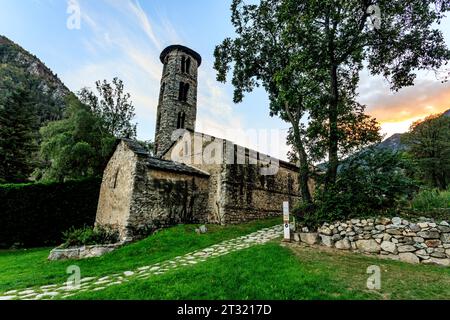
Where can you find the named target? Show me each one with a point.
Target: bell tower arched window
(183, 92)
(181, 119)
(188, 65)
(183, 64)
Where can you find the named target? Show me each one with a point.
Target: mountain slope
(18, 67)
(394, 142)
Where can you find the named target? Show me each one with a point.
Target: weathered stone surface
(445, 237)
(406, 248)
(309, 238)
(409, 257)
(369, 246)
(433, 243)
(428, 234)
(396, 220)
(343, 244)
(394, 232)
(82, 252)
(418, 239)
(441, 262)
(440, 255)
(326, 240)
(389, 247)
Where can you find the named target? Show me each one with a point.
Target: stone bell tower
(177, 107)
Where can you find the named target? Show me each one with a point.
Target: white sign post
(286, 227)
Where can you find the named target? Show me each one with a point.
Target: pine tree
(17, 137)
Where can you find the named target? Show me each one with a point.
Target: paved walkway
(48, 292)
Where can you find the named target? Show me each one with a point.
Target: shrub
(431, 203)
(371, 183)
(89, 236)
(33, 215)
(428, 200)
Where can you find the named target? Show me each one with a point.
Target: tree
(317, 48)
(75, 147)
(265, 53)
(428, 143)
(114, 107)
(17, 138)
(371, 182)
(337, 40)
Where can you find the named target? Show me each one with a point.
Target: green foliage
(17, 137)
(75, 147)
(428, 144)
(114, 107)
(368, 184)
(89, 236)
(308, 56)
(433, 203)
(36, 214)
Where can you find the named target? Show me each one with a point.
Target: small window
(185, 92)
(181, 91)
(188, 65)
(116, 176)
(181, 120)
(183, 64)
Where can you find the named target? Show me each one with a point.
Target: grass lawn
(272, 271)
(27, 268)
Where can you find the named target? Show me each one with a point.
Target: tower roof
(182, 48)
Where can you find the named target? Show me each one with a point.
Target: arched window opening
(188, 65)
(115, 178)
(181, 120)
(186, 92)
(183, 64)
(181, 91)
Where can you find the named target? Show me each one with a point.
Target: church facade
(192, 177)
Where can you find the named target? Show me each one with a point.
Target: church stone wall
(117, 189)
(163, 198)
(250, 195)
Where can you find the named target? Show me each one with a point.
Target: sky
(124, 38)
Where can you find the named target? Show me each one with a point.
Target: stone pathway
(62, 290)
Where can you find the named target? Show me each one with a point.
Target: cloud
(396, 111)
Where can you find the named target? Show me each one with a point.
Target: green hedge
(33, 215)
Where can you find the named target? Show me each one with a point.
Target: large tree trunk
(333, 160)
(304, 167)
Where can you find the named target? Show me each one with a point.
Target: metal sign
(286, 227)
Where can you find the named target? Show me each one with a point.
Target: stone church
(192, 177)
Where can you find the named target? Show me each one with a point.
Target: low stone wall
(82, 252)
(425, 241)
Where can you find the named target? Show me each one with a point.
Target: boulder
(389, 247)
(396, 232)
(445, 237)
(370, 246)
(409, 257)
(433, 243)
(309, 238)
(326, 240)
(428, 234)
(326, 231)
(441, 262)
(406, 248)
(343, 244)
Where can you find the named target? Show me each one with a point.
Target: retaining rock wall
(425, 241)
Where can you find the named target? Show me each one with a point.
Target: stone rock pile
(425, 241)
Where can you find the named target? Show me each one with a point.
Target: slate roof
(161, 164)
